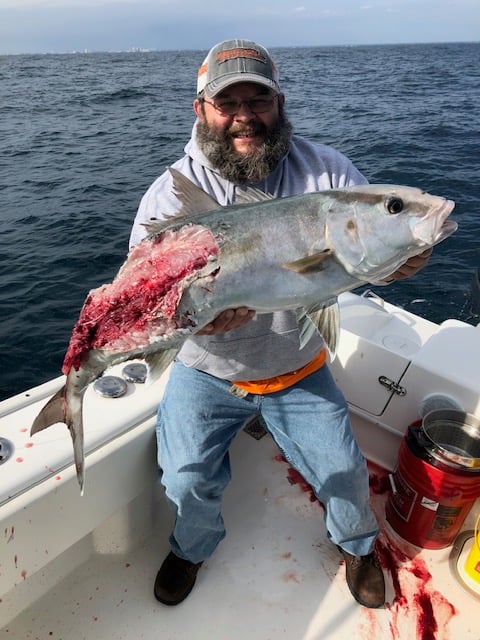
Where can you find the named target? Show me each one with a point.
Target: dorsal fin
(247, 195)
(194, 200)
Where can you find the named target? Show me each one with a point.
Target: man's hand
(410, 267)
(226, 321)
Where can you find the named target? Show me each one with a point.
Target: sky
(57, 26)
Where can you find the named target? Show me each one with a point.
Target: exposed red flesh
(144, 295)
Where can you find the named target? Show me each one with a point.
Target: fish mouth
(434, 227)
(447, 229)
(444, 227)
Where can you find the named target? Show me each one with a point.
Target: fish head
(374, 229)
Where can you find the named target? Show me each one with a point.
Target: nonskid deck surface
(274, 576)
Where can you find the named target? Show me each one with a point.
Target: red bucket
(430, 499)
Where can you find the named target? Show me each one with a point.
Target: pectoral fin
(326, 319)
(310, 264)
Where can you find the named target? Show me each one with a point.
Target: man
(241, 364)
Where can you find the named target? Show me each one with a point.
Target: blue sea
(82, 136)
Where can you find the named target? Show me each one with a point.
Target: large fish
(263, 253)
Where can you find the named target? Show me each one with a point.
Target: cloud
(29, 26)
(48, 4)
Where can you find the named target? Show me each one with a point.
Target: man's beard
(217, 146)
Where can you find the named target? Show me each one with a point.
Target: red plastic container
(430, 499)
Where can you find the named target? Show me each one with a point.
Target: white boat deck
(274, 576)
(83, 568)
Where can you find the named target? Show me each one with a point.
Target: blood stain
(290, 576)
(416, 599)
(416, 602)
(420, 571)
(390, 560)
(426, 622)
(19, 460)
(294, 477)
(379, 484)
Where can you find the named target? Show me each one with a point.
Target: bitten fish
(264, 253)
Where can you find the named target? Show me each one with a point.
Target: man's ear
(198, 108)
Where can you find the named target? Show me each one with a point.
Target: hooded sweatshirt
(269, 345)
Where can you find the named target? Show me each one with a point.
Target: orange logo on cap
(223, 56)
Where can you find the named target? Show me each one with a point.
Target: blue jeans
(197, 421)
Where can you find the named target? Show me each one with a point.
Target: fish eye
(394, 205)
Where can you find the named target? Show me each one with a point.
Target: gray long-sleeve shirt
(267, 346)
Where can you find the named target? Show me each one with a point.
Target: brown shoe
(365, 579)
(175, 579)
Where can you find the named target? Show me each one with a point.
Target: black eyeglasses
(232, 107)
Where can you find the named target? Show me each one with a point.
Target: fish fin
(78, 454)
(324, 318)
(306, 328)
(52, 412)
(195, 201)
(309, 264)
(155, 228)
(247, 195)
(158, 363)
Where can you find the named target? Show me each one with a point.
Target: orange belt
(270, 385)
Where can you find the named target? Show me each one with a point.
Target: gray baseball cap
(234, 61)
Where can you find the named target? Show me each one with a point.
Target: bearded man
(242, 364)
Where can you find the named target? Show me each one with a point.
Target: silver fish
(263, 253)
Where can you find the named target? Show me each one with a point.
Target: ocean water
(83, 135)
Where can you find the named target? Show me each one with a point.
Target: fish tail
(78, 455)
(55, 411)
